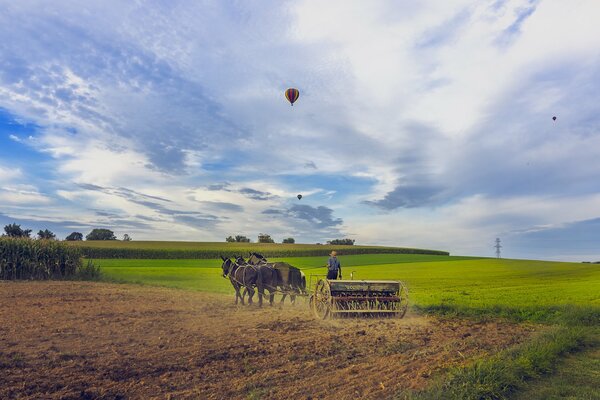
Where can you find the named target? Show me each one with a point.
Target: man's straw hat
(333, 253)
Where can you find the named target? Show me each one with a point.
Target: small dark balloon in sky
(299, 197)
(554, 118)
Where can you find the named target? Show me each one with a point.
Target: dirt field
(70, 340)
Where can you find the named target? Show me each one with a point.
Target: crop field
(207, 250)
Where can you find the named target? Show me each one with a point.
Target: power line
(498, 246)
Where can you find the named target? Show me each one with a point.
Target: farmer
(333, 266)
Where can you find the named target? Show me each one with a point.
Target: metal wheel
(322, 300)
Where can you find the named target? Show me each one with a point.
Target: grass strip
(577, 377)
(561, 314)
(500, 376)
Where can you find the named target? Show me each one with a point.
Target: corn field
(37, 259)
(207, 250)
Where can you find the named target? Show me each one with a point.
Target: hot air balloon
(292, 95)
(554, 118)
(299, 197)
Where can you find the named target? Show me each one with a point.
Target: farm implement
(328, 298)
(338, 298)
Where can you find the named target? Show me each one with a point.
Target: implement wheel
(322, 300)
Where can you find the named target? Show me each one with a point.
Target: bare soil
(82, 340)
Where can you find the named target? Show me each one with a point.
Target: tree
(101, 234)
(46, 234)
(346, 242)
(126, 238)
(238, 239)
(14, 230)
(241, 239)
(264, 238)
(74, 236)
(289, 240)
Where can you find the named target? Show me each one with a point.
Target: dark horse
(267, 278)
(290, 279)
(240, 276)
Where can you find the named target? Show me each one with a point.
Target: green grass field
(205, 275)
(432, 280)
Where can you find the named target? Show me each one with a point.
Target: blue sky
(423, 124)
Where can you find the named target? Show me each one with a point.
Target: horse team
(258, 274)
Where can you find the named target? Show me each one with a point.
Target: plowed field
(71, 340)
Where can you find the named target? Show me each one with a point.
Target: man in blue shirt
(334, 269)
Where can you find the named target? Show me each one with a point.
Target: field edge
(505, 374)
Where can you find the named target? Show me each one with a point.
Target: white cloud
(7, 174)
(22, 195)
(15, 138)
(100, 165)
(394, 74)
(470, 226)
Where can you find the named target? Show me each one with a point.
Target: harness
(231, 273)
(263, 263)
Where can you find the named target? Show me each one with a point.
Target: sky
(420, 124)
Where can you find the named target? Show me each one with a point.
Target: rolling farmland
(477, 328)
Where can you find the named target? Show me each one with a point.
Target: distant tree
(289, 240)
(264, 238)
(46, 234)
(238, 239)
(101, 234)
(346, 242)
(126, 238)
(74, 236)
(14, 230)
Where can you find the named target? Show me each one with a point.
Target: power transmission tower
(498, 246)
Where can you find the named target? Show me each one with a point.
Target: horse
(291, 279)
(240, 275)
(267, 278)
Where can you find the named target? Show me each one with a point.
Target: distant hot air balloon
(554, 118)
(292, 95)
(299, 197)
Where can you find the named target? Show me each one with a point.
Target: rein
(255, 268)
(318, 266)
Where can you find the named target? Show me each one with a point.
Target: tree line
(15, 231)
(265, 238)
